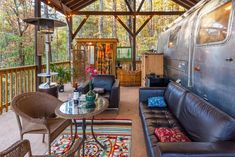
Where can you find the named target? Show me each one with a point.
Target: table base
(84, 135)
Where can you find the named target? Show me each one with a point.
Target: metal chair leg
(43, 138)
(71, 130)
(49, 145)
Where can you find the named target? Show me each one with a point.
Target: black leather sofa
(211, 131)
(111, 88)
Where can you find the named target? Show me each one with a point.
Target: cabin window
(214, 25)
(173, 37)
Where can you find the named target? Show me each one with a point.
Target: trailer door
(212, 55)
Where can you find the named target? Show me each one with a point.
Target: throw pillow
(156, 102)
(98, 90)
(171, 135)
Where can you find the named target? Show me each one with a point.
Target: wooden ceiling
(74, 6)
(186, 3)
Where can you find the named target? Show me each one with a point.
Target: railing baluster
(6, 91)
(16, 83)
(1, 107)
(20, 79)
(33, 79)
(11, 90)
(17, 80)
(25, 81)
(29, 81)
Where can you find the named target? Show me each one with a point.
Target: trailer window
(214, 25)
(173, 37)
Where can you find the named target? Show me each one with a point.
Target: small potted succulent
(90, 96)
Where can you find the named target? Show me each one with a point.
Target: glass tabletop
(71, 110)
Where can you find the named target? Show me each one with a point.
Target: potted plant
(90, 96)
(64, 76)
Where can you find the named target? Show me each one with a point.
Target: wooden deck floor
(9, 132)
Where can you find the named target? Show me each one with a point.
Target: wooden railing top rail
(17, 80)
(30, 66)
(16, 68)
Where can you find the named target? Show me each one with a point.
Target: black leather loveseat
(211, 131)
(111, 88)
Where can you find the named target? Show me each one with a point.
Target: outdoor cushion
(99, 90)
(170, 135)
(156, 102)
(103, 81)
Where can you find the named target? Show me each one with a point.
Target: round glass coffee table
(70, 110)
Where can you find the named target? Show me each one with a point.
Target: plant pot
(90, 97)
(90, 105)
(61, 87)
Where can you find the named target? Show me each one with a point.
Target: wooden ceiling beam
(124, 25)
(83, 5)
(194, 1)
(129, 6)
(69, 2)
(189, 2)
(80, 26)
(140, 6)
(185, 5)
(76, 4)
(144, 24)
(56, 4)
(120, 13)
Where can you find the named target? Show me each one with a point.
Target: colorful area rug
(115, 134)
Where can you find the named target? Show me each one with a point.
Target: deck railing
(14, 81)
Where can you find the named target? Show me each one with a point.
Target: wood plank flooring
(9, 132)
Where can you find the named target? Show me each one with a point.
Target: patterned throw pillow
(156, 102)
(99, 90)
(171, 135)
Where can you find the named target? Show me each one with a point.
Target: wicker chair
(35, 113)
(22, 148)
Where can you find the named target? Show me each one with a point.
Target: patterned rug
(114, 133)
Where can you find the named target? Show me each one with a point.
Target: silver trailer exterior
(199, 51)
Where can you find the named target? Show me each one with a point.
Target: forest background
(17, 37)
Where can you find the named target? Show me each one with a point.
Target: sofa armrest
(196, 149)
(145, 93)
(115, 95)
(84, 87)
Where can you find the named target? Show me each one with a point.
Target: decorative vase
(90, 97)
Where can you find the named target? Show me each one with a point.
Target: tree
(101, 21)
(114, 30)
(16, 11)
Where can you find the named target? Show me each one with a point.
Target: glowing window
(173, 38)
(214, 25)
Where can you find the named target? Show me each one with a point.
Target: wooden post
(134, 39)
(134, 44)
(70, 43)
(38, 59)
(70, 36)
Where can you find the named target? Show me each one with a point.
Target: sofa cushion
(171, 135)
(157, 117)
(99, 90)
(103, 81)
(105, 95)
(156, 102)
(204, 122)
(174, 95)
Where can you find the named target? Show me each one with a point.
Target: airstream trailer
(199, 52)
